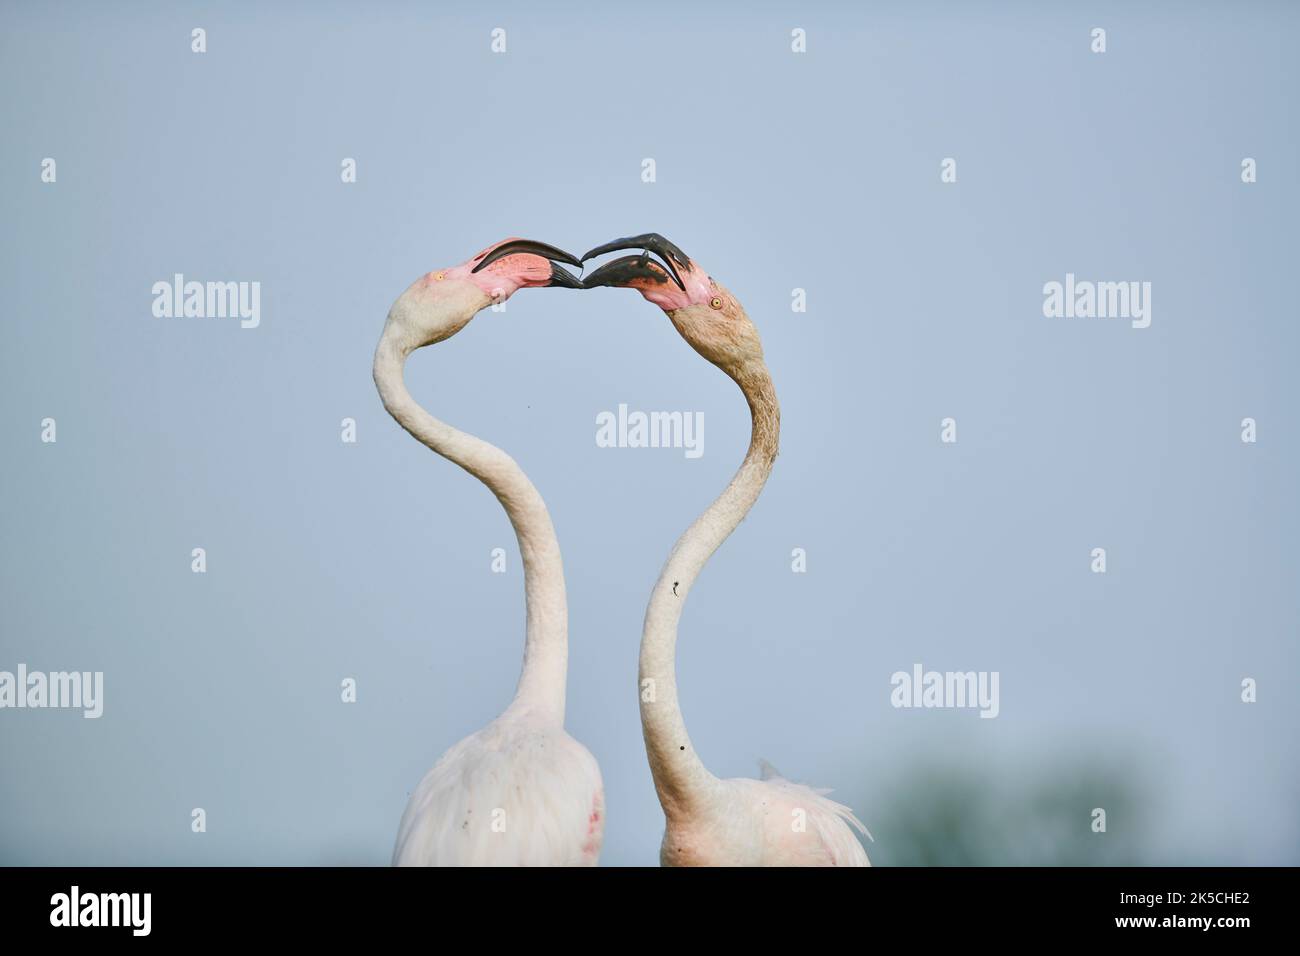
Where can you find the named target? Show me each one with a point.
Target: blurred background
(777, 171)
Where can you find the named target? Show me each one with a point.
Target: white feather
(516, 793)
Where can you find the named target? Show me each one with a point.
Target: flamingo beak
(563, 278)
(559, 277)
(627, 269)
(627, 272)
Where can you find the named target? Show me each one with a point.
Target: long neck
(546, 649)
(680, 776)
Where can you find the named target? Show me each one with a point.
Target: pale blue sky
(775, 171)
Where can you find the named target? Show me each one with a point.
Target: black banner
(330, 905)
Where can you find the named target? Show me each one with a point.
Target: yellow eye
(715, 302)
(440, 276)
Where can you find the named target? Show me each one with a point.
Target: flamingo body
(708, 821)
(519, 792)
(767, 822)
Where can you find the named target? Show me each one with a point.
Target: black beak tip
(610, 274)
(648, 242)
(564, 278)
(623, 272)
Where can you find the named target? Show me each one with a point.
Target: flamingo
(521, 791)
(711, 822)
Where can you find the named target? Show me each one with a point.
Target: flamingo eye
(440, 276)
(715, 302)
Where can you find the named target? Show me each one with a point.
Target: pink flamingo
(708, 821)
(521, 791)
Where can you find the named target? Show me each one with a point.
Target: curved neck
(680, 776)
(546, 650)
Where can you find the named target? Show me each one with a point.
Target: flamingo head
(440, 303)
(706, 315)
